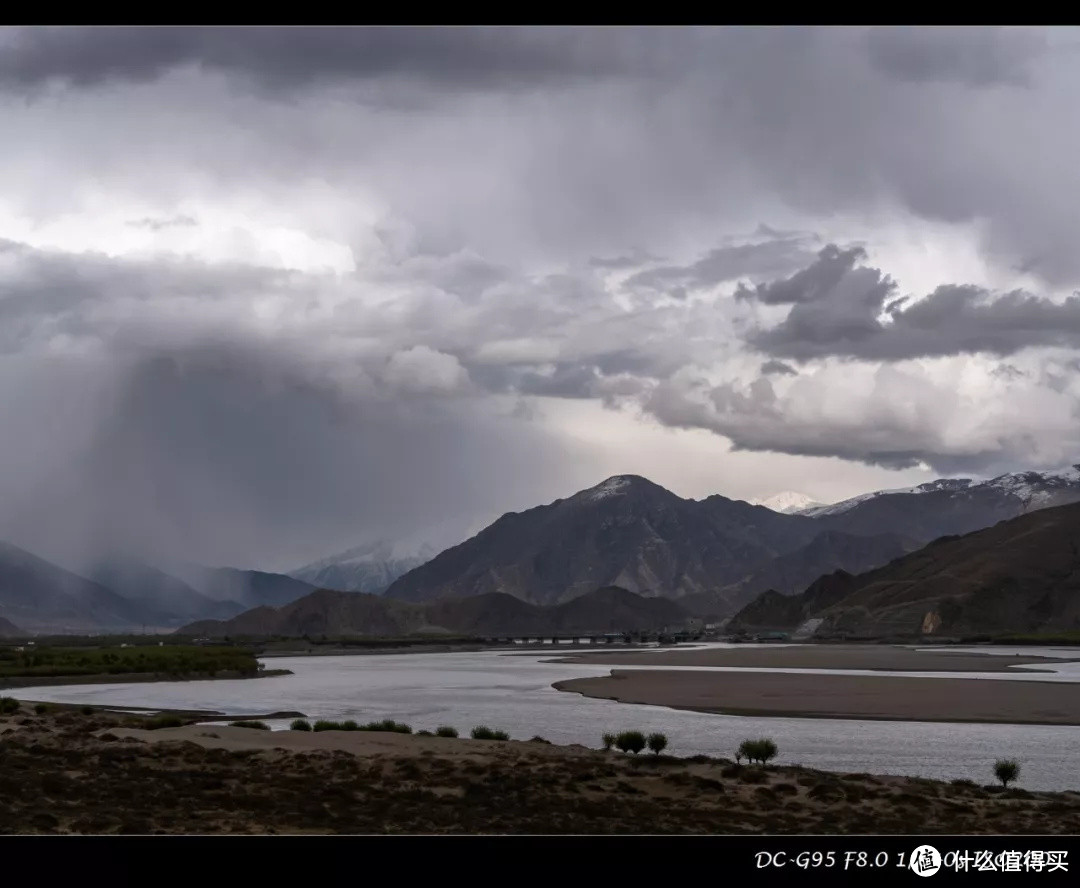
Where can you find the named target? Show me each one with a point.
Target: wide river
(513, 692)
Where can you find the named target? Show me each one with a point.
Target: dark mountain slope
(249, 588)
(9, 629)
(163, 599)
(327, 612)
(626, 532)
(1021, 575)
(39, 596)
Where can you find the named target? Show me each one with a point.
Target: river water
(512, 691)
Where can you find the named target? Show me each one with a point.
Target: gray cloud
(635, 259)
(728, 123)
(768, 258)
(178, 221)
(296, 56)
(474, 187)
(843, 309)
(973, 56)
(780, 367)
(141, 411)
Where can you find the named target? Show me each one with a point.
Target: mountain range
(327, 612)
(120, 595)
(712, 557)
(1022, 575)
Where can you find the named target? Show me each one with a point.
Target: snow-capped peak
(375, 552)
(927, 487)
(789, 502)
(613, 486)
(1036, 489)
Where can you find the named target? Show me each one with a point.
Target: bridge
(594, 638)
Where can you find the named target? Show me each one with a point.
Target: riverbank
(130, 677)
(885, 697)
(68, 772)
(890, 658)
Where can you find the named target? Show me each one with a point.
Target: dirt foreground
(64, 771)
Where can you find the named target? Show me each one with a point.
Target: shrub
(8, 705)
(424, 734)
(609, 741)
(500, 735)
(386, 725)
(761, 750)
(325, 725)
(163, 721)
(350, 725)
(300, 724)
(87, 710)
(657, 743)
(1006, 770)
(539, 739)
(250, 723)
(446, 731)
(630, 741)
(483, 732)
(41, 708)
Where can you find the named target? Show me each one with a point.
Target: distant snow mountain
(1034, 490)
(370, 567)
(790, 503)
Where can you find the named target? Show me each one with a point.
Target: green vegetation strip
(171, 660)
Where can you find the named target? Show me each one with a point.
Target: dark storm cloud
(231, 452)
(768, 258)
(297, 56)
(778, 367)
(840, 308)
(140, 411)
(973, 56)
(634, 134)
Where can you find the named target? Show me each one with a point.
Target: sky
(266, 293)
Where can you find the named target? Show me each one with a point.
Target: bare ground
(69, 772)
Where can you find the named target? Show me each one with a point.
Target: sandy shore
(893, 698)
(819, 656)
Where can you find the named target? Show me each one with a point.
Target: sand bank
(893, 698)
(893, 658)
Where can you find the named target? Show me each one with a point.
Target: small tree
(609, 741)
(766, 750)
(761, 750)
(657, 743)
(1006, 770)
(745, 751)
(630, 741)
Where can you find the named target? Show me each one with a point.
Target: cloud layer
(293, 287)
